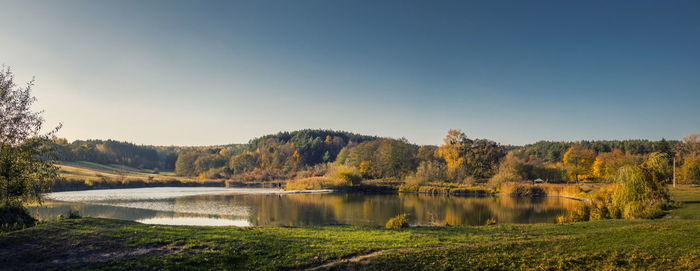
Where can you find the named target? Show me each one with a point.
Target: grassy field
(83, 170)
(87, 174)
(662, 244)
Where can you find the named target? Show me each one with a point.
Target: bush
(15, 217)
(637, 195)
(521, 189)
(347, 174)
(599, 212)
(397, 222)
(579, 214)
(74, 214)
(350, 177)
(313, 183)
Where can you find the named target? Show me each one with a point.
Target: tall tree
(25, 169)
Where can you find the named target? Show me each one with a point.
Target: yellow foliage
(578, 162)
(313, 183)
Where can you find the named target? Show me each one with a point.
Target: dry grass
(520, 189)
(314, 183)
(563, 190)
(86, 174)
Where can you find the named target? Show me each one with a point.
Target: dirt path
(353, 259)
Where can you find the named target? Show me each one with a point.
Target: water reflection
(195, 221)
(197, 207)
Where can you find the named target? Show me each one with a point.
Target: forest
(460, 159)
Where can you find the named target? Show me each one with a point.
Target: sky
(220, 72)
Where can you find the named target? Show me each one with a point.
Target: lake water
(270, 207)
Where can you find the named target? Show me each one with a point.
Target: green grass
(689, 197)
(662, 244)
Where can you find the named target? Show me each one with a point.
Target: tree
(25, 168)
(658, 166)
(465, 157)
(184, 166)
(243, 162)
(453, 152)
(511, 169)
(482, 158)
(637, 195)
(381, 158)
(690, 170)
(578, 162)
(429, 171)
(606, 164)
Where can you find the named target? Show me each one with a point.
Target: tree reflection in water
(314, 209)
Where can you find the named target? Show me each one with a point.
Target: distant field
(88, 174)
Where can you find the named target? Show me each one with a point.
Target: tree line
(458, 160)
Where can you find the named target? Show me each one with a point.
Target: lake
(271, 207)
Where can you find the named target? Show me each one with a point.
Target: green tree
(184, 166)
(25, 168)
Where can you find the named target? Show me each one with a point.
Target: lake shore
(662, 244)
(665, 244)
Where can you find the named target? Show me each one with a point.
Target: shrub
(599, 212)
(397, 222)
(344, 173)
(350, 177)
(521, 189)
(15, 217)
(561, 219)
(74, 214)
(637, 195)
(313, 183)
(577, 215)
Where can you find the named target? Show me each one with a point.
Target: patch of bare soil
(354, 259)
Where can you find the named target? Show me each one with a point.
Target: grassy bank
(662, 244)
(668, 244)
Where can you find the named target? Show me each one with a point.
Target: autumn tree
(606, 164)
(690, 170)
(465, 157)
(658, 166)
(381, 158)
(578, 162)
(243, 162)
(453, 152)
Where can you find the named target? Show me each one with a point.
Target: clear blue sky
(201, 73)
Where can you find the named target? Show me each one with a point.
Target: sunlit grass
(661, 244)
